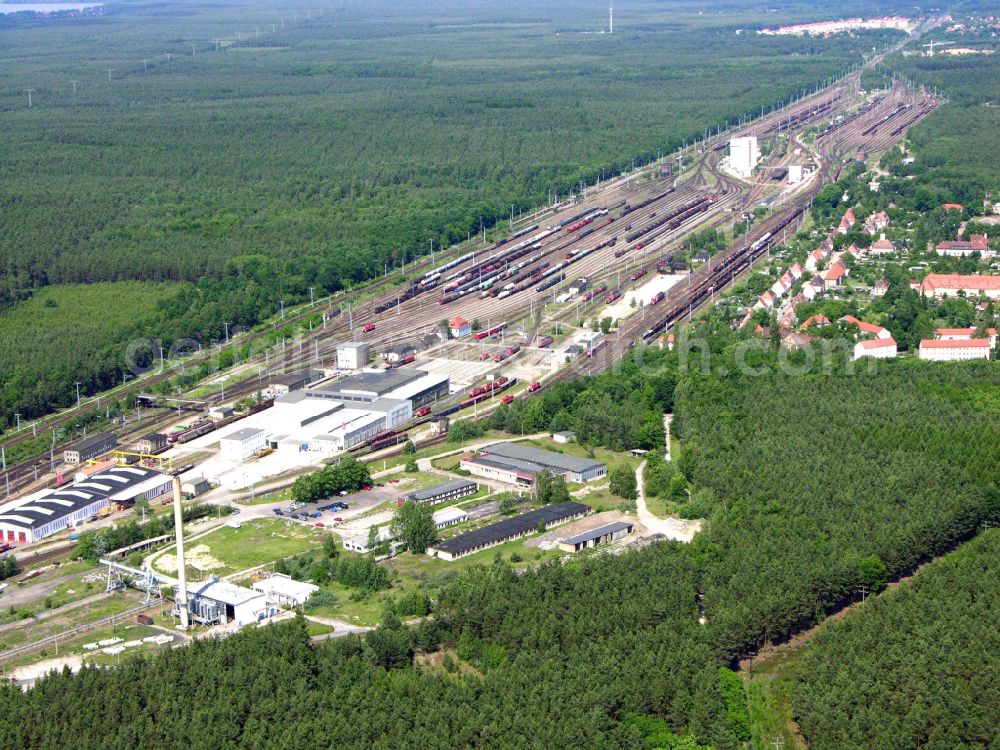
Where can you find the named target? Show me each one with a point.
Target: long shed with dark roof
(507, 530)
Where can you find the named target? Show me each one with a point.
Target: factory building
(88, 448)
(243, 443)
(609, 532)
(48, 512)
(396, 410)
(151, 443)
(356, 426)
(575, 469)
(444, 492)
(296, 410)
(416, 386)
(507, 530)
(744, 153)
(284, 591)
(353, 355)
(292, 381)
(215, 602)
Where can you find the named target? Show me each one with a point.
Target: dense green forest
(314, 151)
(916, 667)
(72, 332)
(957, 154)
(815, 483)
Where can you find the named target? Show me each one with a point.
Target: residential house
(882, 247)
(847, 222)
(869, 329)
(834, 276)
(880, 288)
(876, 222)
(814, 287)
(796, 340)
(819, 321)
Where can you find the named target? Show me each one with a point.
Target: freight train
(199, 428)
(480, 335)
(498, 385)
(727, 267)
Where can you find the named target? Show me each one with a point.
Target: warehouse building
(285, 591)
(151, 443)
(575, 469)
(609, 532)
(48, 512)
(359, 544)
(506, 470)
(194, 486)
(243, 443)
(507, 530)
(353, 355)
(88, 448)
(444, 492)
(215, 602)
(223, 411)
(448, 517)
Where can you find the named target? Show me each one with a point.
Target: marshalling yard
(520, 313)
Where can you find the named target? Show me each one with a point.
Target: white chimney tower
(611, 18)
(182, 597)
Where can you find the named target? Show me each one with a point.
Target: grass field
(33, 631)
(422, 573)
(227, 550)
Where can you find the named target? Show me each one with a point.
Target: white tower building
(744, 154)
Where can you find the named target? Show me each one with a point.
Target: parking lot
(328, 511)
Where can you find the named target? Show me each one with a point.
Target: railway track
(421, 314)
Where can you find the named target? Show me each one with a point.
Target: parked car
(321, 524)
